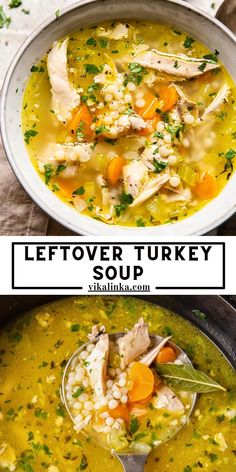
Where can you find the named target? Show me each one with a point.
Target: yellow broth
(41, 127)
(34, 351)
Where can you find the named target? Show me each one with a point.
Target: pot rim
(101, 228)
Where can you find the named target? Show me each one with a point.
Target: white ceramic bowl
(87, 12)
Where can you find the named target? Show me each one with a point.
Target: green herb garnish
(48, 173)
(75, 328)
(136, 73)
(158, 135)
(202, 66)
(30, 133)
(125, 200)
(91, 42)
(37, 69)
(159, 165)
(134, 425)
(229, 156)
(78, 392)
(140, 223)
(91, 69)
(210, 57)
(79, 191)
(199, 314)
(60, 168)
(103, 43)
(188, 42)
(100, 129)
(4, 19)
(15, 3)
(84, 463)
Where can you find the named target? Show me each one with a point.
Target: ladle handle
(132, 462)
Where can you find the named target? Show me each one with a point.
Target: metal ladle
(132, 462)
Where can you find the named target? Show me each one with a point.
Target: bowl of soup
(36, 433)
(121, 118)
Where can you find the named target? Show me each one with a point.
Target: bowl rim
(41, 202)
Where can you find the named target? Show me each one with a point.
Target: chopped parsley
(136, 73)
(57, 13)
(175, 130)
(15, 3)
(91, 42)
(188, 42)
(30, 133)
(103, 42)
(140, 223)
(125, 200)
(89, 202)
(202, 66)
(75, 327)
(91, 69)
(222, 115)
(55, 188)
(40, 413)
(158, 135)
(60, 410)
(30, 436)
(233, 135)
(37, 69)
(80, 131)
(4, 19)
(84, 463)
(60, 168)
(134, 425)
(100, 129)
(78, 392)
(229, 156)
(167, 331)
(79, 191)
(159, 165)
(115, 51)
(93, 88)
(199, 314)
(48, 173)
(211, 57)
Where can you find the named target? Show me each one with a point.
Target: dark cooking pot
(219, 324)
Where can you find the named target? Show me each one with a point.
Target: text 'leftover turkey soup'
(140, 402)
(131, 124)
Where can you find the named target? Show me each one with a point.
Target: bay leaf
(188, 379)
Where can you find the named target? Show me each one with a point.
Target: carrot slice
(67, 186)
(165, 102)
(169, 97)
(166, 354)
(148, 112)
(120, 412)
(82, 122)
(142, 380)
(140, 403)
(114, 169)
(206, 188)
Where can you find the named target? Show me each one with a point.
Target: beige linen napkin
(19, 215)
